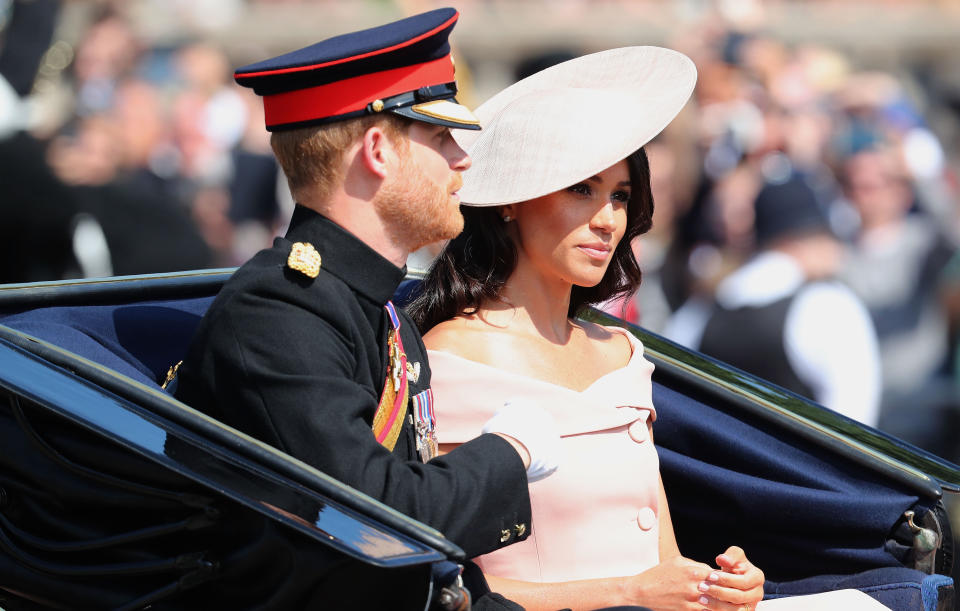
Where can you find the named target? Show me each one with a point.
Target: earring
(507, 218)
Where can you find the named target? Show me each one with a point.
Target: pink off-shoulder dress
(597, 515)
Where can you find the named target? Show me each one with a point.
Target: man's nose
(461, 161)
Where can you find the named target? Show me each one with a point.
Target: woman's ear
(376, 151)
(506, 213)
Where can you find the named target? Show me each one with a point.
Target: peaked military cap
(402, 67)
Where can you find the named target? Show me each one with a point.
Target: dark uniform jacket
(300, 364)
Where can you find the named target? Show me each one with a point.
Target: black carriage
(115, 495)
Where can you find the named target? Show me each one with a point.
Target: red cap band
(353, 94)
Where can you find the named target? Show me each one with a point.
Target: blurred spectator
(37, 211)
(782, 316)
(24, 40)
(260, 201)
(37, 215)
(949, 296)
(148, 157)
(107, 53)
(159, 162)
(895, 265)
(541, 61)
(210, 116)
(713, 238)
(238, 195)
(144, 233)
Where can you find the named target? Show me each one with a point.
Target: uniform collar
(345, 256)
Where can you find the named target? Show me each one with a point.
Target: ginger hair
(312, 157)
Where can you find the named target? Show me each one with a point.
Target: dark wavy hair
(474, 266)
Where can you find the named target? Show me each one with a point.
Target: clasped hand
(683, 584)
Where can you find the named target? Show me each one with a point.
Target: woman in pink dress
(559, 188)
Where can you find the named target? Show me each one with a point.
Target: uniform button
(646, 518)
(504, 536)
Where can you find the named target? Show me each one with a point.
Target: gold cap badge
(305, 259)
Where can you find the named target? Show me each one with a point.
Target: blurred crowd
(800, 198)
(806, 229)
(120, 158)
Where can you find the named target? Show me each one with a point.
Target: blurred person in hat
(303, 348)
(783, 316)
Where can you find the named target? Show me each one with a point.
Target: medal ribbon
(423, 406)
(426, 425)
(388, 419)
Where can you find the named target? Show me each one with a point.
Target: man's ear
(377, 151)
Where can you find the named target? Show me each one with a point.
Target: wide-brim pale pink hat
(571, 121)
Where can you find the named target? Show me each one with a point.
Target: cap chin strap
(424, 94)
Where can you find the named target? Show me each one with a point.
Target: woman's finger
(714, 604)
(729, 559)
(742, 580)
(752, 577)
(734, 596)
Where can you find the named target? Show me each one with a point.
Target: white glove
(533, 427)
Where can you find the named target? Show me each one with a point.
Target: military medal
(426, 424)
(413, 372)
(388, 419)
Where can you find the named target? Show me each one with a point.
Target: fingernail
(704, 600)
(714, 577)
(704, 586)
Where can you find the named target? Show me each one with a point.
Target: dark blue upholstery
(798, 509)
(813, 521)
(934, 588)
(897, 588)
(139, 340)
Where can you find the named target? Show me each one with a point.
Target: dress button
(638, 430)
(646, 518)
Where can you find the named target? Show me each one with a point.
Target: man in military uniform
(302, 348)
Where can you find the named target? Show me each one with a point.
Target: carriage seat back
(140, 340)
